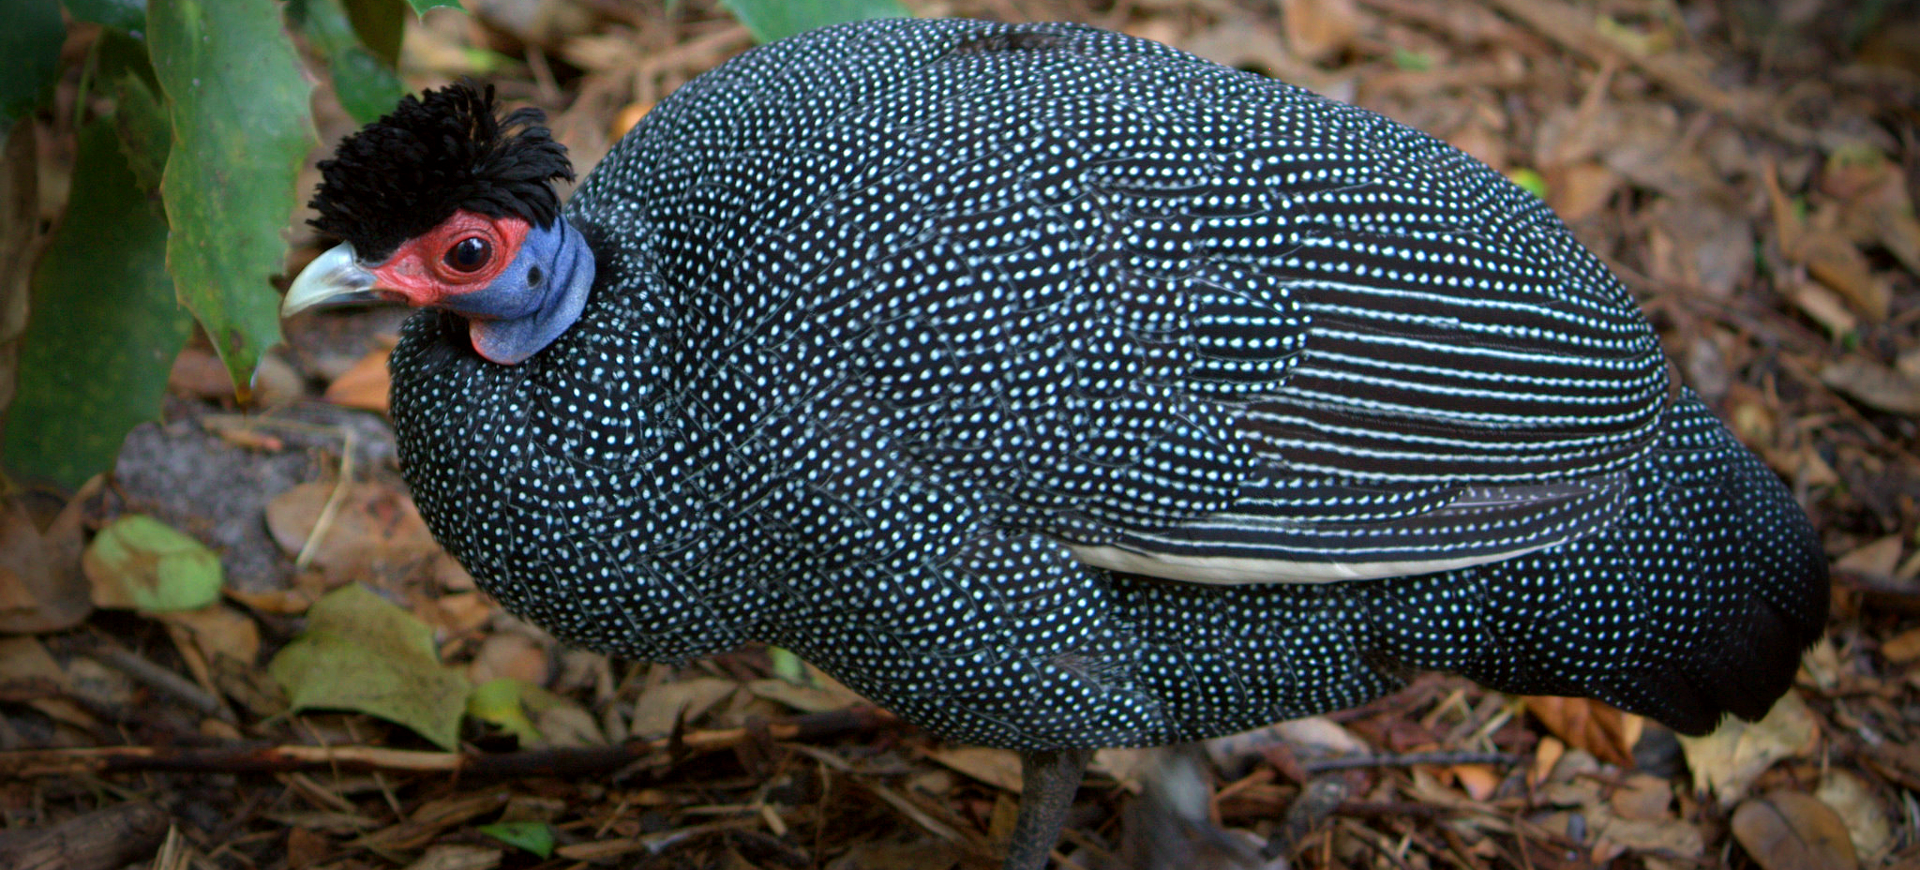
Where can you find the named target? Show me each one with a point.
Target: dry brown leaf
(1879, 558)
(1786, 830)
(41, 586)
(1579, 191)
(197, 373)
(374, 532)
(365, 384)
(1834, 261)
(806, 699)
(218, 631)
(456, 615)
(1728, 761)
(1588, 724)
(511, 656)
(1313, 736)
(628, 116)
(1873, 384)
(1545, 756)
(285, 602)
(1825, 307)
(1903, 647)
(999, 768)
(1319, 30)
(1647, 835)
(1643, 797)
(446, 856)
(1866, 816)
(1479, 780)
(660, 706)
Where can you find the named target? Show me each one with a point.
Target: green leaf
(535, 837)
(127, 16)
(363, 654)
(237, 103)
(366, 88)
(141, 562)
(1532, 181)
(777, 19)
(420, 7)
(380, 24)
(30, 46)
(104, 328)
(145, 137)
(499, 702)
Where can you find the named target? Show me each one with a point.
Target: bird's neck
(567, 262)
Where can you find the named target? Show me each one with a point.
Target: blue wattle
(515, 317)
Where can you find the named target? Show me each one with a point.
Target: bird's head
(442, 204)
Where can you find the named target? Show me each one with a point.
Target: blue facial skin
(539, 295)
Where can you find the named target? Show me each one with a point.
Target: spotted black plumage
(1038, 381)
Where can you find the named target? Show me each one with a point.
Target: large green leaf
(420, 7)
(777, 19)
(366, 87)
(123, 15)
(30, 40)
(237, 103)
(380, 25)
(361, 653)
(104, 328)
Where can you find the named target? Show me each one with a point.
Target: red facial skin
(419, 275)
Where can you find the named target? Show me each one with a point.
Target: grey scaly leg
(1051, 778)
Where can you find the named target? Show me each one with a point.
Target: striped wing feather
(1325, 362)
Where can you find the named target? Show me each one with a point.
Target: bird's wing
(1214, 347)
(1190, 322)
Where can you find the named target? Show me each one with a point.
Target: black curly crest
(431, 156)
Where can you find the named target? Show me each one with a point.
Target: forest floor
(1748, 168)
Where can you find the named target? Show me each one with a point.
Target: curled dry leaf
(662, 705)
(375, 530)
(1873, 384)
(41, 587)
(1880, 558)
(1866, 816)
(1591, 725)
(1319, 30)
(365, 384)
(999, 768)
(1728, 761)
(1786, 830)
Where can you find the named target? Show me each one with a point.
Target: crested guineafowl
(1056, 390)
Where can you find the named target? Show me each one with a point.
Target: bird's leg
(1049, 780)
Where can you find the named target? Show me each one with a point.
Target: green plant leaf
(535, 837)
(104, 327)
(127, 16)
(380, 24)
(30, 43)
(367, 89)
(363, 654)
(777, 19)
(420, 7)
(499, 702)
(145, 137)
(237, 103)
(143, 563)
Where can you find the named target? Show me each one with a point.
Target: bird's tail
(1697, 602)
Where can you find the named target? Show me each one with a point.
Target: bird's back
(1033, 380)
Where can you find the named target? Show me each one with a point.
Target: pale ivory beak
(333, 278)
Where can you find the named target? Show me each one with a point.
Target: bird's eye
(470, 254)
